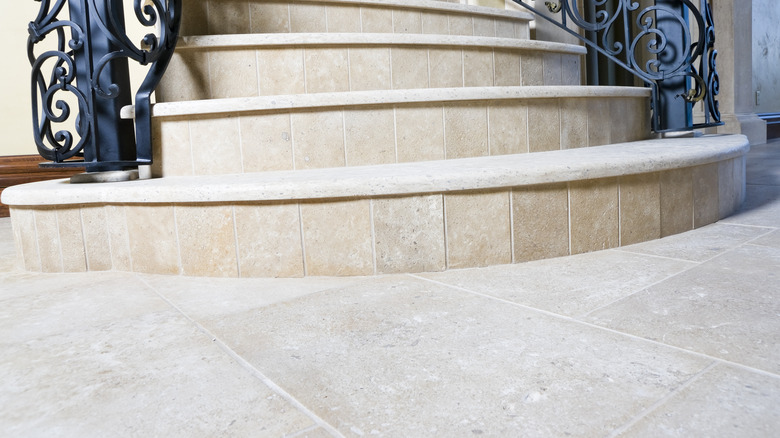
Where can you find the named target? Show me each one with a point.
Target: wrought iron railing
(86, 65)
(657, 44)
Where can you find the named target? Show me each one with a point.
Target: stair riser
(214, 74)
(242, 17)
(413, 233)
(392, 133)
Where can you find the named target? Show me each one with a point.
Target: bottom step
(414, 217)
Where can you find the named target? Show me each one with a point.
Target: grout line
(568, 207)
(248, 366)
(512, 225)
(303, 241)
(302, 432)
(84, 240)
(373, 233)
(235, 239)
(178, 241)
(59, 240)
(599, 327)
(619, 213)
(395, 131)
(649, 410)
(344, 136)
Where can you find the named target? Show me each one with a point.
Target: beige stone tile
(522, 31)
(327, 70)
(268, 17)
(465, 130)
(544, 125)
(369, 68)
(154, 246)
(376, 20)
(407, 21)
(594, 215)
(532, 68)
(369, 136)
(11, 254)
(725, 402)
(507, 69)
(619, 109)
(280, 71)
(174, 148)
(409, 67)
(553, 71)
(505, 28)
(728, 187)
(345, 19)
(216, 145)
(771, 239)
(446, 68)
(118, 238)
(484, 27)
(705, 195)
(186, 78)
(266, 142)
(640, 208)
(436, 24)
(48, 236)
(574, 126)
(570, 70)
(409, 234)
(419, 133)
(71, 233)
(207, 241)
(461, 25)
(540, 222)
(229, 17)
(96, 235)
(701, 244)
(269, 240)
(337, 238)
(194, 20)
(467, 355)
(478, 229)
(572, 286)
(24, 224)
(306, 17)
(318, 139)
(725, 308)
(599, 118)
(508, 123)
(676, 201)
(478, 68)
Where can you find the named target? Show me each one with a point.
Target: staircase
(363, 137)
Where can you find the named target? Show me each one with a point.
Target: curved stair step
(408, 217)
(227, 66)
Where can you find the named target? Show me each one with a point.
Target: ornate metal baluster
(663, 36)
(91, 66)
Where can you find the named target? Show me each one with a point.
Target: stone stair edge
(457, 175)
(383, 97)
(244, 41)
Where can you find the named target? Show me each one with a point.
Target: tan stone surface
(186, 78)
(71, 235)
(544, 126)
(532, 67)
(409, 234)
(268, 17)
(466, 131)
(228, 17)
(343, 18)
(640, 208)
(280, 71)
(96, 236)
(594, 215)
(118, 238)
(376, 20)
(553, 71)
(337, 238)
(269, 240)
(266, 142)
(207, 240)
(705, 195)
(570, 69)
(507, 69)
(407, 22)
(478, 68)
(505, 29)
(216, 145)
(27, 238)
(446, 68)
(307, 17)
(369, 136)
(484, 27)
(369, 68)
(327, 70)
(478, 229)
(676, 201)
(154, 246)
(574, 126)
(233, 73)
(48, 236)
(599, 118)
(318, 139)
(461, 25)
(175, 149)
(508, 124)
(433, 23)
(409, 68)
(419, 133)
(540, 222)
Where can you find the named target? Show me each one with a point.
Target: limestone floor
(676, 337)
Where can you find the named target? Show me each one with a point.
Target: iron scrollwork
(85, 64)
(637, 41)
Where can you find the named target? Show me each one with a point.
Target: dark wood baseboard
(21, 169)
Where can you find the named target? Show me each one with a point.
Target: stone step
(409, 217)
(216, 17)
(295, 132)
(227, 66)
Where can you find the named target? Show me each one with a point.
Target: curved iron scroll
(655, 44)
(88, 62)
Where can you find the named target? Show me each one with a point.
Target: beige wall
(766, 55)
(15, 115)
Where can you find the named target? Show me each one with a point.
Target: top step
(222, 17)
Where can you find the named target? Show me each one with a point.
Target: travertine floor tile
(761, 207)
(724, 402)
(726, 308)
(406, 357)
(700, 245)
(772, 239)
(569, 286)
(155, 375)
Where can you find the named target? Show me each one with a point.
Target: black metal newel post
(81, 84)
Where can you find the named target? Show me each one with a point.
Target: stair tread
(396, 179)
